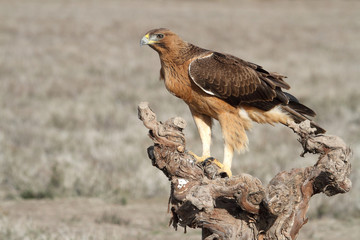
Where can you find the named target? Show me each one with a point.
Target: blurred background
(73, 162)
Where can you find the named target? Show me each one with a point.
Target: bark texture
(241, 207)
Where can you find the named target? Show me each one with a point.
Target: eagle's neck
(174, 70)
(178, 54)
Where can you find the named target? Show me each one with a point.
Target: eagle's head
(161, 40)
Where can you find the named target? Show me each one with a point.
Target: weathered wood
(240, 207)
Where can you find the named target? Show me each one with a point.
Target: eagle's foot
(198, 158)
(210, 160)
(213, 168)
(225, 172)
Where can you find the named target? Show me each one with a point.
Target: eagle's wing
(237, 81)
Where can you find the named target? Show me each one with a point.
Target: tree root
(240, 207)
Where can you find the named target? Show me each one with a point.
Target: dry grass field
(73, 162)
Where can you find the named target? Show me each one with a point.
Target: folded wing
(235, 80)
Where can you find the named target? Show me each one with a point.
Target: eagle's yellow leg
(233, 127)
(198, 159)
(233, 130)
(203, 123)
(228, 156)
(203, 158)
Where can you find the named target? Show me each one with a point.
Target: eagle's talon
(198, 158)
(223, 175)
(210, 160)
(225, 172)
(221, 171)
(207, 161)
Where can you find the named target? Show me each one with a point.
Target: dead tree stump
(240, 207)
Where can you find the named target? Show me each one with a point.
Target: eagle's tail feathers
(302, 109)
(294, 104)
(298, 112)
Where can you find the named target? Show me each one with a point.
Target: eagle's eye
(159, 36)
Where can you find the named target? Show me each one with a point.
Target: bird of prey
(226, 88)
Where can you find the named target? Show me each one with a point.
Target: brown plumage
(226, 88)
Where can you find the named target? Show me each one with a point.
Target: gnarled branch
(240, 207)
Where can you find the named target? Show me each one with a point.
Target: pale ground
(94, 219)
(72, 74)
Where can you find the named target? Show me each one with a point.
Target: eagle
(223, 87)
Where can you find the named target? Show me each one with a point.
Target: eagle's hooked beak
(145, 40)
